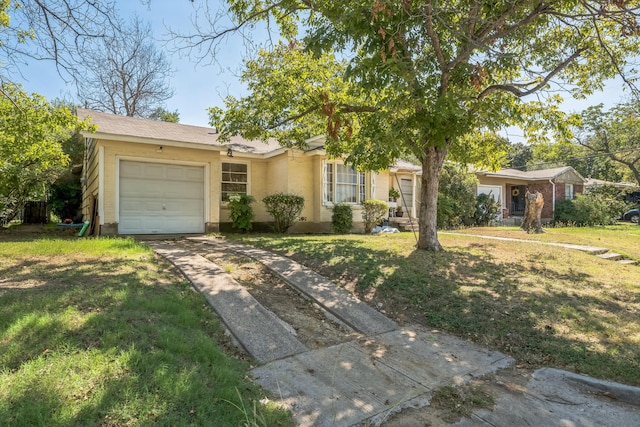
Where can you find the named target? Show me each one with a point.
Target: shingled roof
(123, 127)
(535, 175)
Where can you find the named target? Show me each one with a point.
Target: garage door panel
(161, 198)
(183, 190)
(153, 172)
(186, 207)
(183, 226)
(131, 170)
(195, 175)
(174, 173)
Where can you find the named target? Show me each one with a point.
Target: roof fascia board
(273, 153)
(315, 152)
(153, 141)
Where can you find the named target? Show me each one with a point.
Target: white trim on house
(360, 196)
(153, 141)
(372, 190)
(101, 184)
(238, 162)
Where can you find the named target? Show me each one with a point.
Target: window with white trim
(234, 179)
(342, 184)
(568, 191)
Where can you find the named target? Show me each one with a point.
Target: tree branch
(513, 88)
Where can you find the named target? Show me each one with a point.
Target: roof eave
(152, 141)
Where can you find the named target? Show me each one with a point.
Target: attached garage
(158, 198)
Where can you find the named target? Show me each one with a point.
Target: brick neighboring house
(508, 186)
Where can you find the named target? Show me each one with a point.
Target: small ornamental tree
(285, 209)
(32, 133)
(342, 219)
(487, 209)
(373, 213)
(241, 213)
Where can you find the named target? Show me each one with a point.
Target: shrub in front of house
(284, 208)
(487, 209)
(456, 196)
(241, 213)
(373, 212)
(589, 210)
(342, 219)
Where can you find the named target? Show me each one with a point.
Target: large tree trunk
(532, 222)
(431, 166)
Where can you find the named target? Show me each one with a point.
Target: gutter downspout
(553, 198)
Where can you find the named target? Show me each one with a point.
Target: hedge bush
(589, 210)
(285, 209)
(456, 196)
(342, 218)
(373, 213)
(241, 213)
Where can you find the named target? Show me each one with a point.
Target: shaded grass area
(100, 332)
(545, 306)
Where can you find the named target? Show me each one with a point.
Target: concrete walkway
(366, 380)
(603, 253)
(260, 332)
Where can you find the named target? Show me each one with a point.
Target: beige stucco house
(147, 177)
(508, 186)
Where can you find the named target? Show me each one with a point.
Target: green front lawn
(101, 332)
(545, 306)
(622, 238)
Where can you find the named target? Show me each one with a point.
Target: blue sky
(198, 87)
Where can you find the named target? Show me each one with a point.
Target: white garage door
(161, 198)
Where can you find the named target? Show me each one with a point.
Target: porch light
(229, 152)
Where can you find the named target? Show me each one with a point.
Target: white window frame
(328, 197)
(568, 191)
(247, 183)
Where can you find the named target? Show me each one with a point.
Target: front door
(406, 198)
(516, 207)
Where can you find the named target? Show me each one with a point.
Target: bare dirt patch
(314, 328)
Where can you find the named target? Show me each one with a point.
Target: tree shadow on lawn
(106, 343)
(529, 311)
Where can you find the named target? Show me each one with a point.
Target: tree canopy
(613, 136)
(57, 30)
(161, 114)
(125, 73)
(420, 75)
(31, 150)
